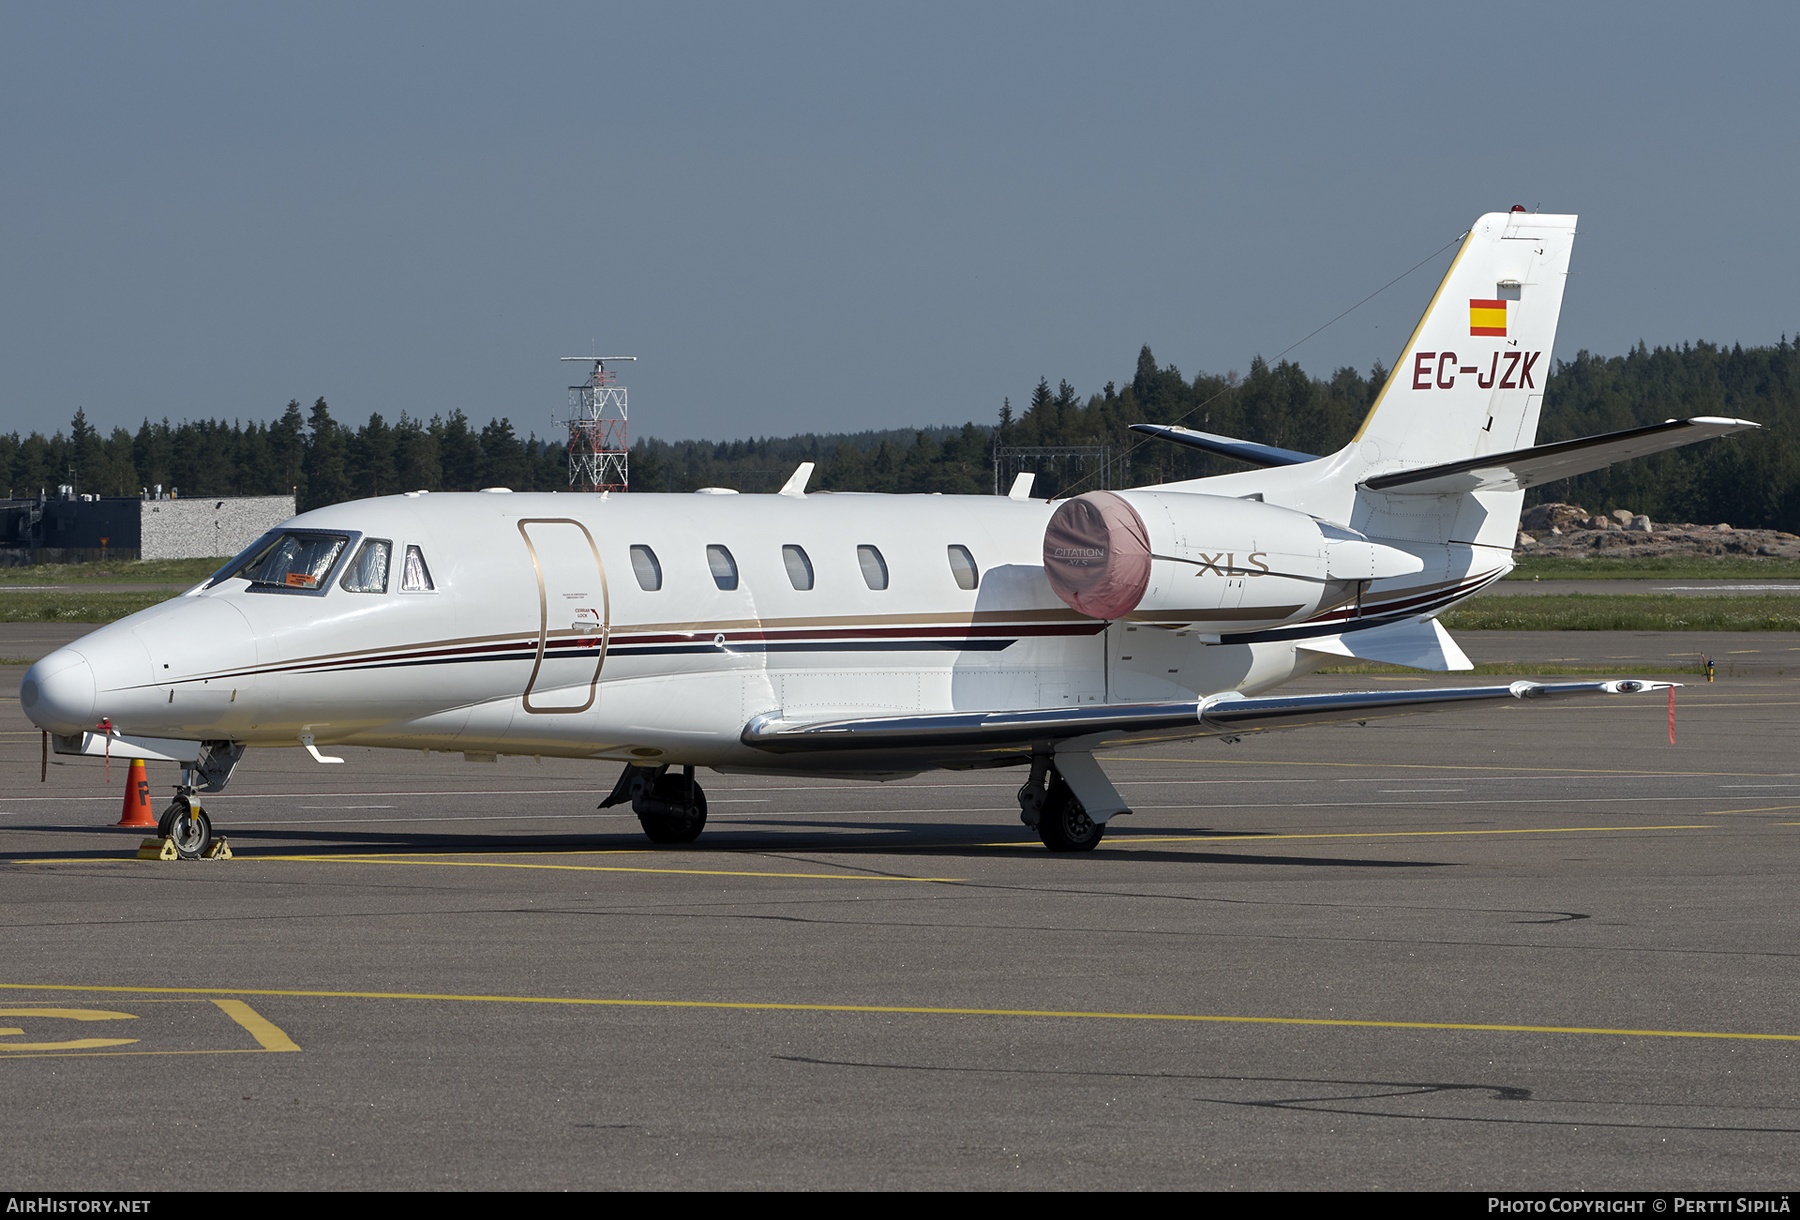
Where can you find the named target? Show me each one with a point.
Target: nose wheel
(185, 825)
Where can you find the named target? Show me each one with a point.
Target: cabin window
(962, 566)
(645, 567)
(799, 567)
(368, 572)
(416, 577)
(291, 562)
(874, 567)
(724, 567)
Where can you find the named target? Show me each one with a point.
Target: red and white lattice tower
(599, 452)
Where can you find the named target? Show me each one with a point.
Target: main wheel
(1064, 825)
(187, 827)
(684, 822)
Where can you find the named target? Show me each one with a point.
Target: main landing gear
(1048, 805)
(670, 808)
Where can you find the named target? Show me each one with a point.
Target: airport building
(67, 528)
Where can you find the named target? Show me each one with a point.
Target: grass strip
(133, 571)
(1625, 612)
(1683, 567)
(75, 607)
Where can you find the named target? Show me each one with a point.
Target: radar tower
(599, 453)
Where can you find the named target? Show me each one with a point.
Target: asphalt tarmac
(1534, 948)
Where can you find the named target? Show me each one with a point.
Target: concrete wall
(207, 528)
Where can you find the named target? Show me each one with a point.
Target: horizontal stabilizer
(970, 737)
(1414, 644)
(1224, 446)
(1522, 468)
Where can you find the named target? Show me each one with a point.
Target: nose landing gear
(185, 825)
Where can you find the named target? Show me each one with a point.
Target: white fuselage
(538, 637)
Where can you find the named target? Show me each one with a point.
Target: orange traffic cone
(136, 815)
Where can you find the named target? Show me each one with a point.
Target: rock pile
(1569, 529)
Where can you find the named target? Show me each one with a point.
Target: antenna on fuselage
(599, 453)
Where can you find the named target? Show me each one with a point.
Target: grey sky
(837, 217)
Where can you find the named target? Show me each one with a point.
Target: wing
(1522, 468)
(972, 739)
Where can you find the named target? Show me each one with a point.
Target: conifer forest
(1750, 480)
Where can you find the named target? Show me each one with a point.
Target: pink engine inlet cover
(1097, 555)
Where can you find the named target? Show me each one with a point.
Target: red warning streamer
(106, 727)
(1671, 715)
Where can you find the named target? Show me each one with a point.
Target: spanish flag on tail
(1487, 318)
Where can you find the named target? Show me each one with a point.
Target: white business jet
(875, 636)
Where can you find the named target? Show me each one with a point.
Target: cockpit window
(236, 564)
(417, 577)
(368, 572)
(295, 561)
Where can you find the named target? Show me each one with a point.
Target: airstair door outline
(574, 616)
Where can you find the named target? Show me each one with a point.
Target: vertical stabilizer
(1471, 379)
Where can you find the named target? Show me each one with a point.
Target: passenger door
(574, 616)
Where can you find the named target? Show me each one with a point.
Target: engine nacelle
(1213, 563)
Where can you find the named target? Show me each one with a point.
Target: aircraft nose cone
(58, 693)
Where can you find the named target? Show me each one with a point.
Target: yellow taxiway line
(916, 1010)
(268, 1035)
(1388, 834)
(596, 868)
(1713, 813)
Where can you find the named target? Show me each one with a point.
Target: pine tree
(327, 479)
(287, 453)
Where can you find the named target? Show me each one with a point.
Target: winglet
(1021, 488)
(796, 484)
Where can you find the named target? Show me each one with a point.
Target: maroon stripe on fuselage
(529, 645)
(1398, 604)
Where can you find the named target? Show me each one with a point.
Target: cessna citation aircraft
(875, 636)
